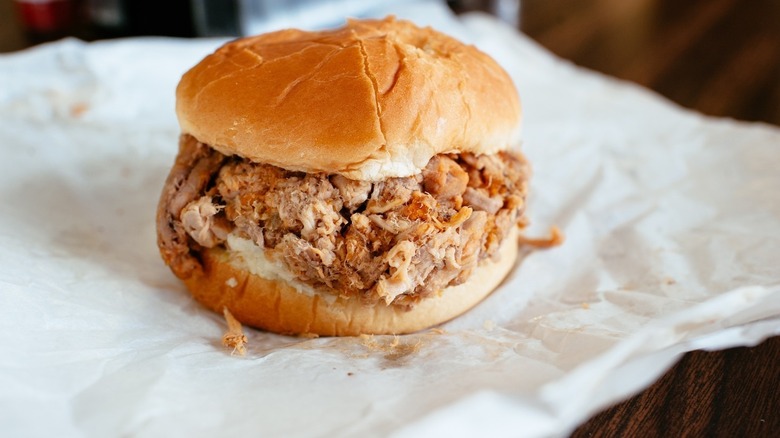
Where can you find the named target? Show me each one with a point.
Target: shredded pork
(395, 241)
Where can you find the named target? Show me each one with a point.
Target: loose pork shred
(395, 241)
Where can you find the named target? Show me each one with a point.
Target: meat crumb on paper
(235, 337)
(556, 238)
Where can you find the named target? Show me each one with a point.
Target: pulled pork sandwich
(343, 182)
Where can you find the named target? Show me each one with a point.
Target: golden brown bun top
(371, 100)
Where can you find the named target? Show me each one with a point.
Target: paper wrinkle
(672, 222)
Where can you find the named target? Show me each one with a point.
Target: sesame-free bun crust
(372, 100)
(278, 307)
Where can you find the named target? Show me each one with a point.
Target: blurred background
(721, 57)
(718, 57)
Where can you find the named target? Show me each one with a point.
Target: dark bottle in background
(110, 18)
(107, 18)
(216, 17)
(46, 20)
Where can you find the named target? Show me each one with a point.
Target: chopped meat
(392, 193)
(458, 218)
(191, 173)
(393, 223)
(304, 259)
(473, 240)
(395, 241)
(480, 200)
(399, 281)
(444, 178)
(555, 239)
(353, 193)
(198, 220)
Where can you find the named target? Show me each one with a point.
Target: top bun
(371, 100)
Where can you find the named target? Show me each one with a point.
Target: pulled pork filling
(398, 240)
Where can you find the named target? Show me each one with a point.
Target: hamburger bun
(372, 100)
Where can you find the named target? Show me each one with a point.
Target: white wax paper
(672, 219)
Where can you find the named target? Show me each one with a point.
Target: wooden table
(720, 57)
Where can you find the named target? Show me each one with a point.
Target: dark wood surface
(720, 57)
(11, 36)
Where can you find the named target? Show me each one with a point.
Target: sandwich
(362, 180)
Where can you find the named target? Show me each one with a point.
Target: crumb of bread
(395, 349)
(231, 282)
(78, 109)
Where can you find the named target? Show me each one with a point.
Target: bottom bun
(275, 306)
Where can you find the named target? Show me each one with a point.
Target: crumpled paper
(672, 219)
